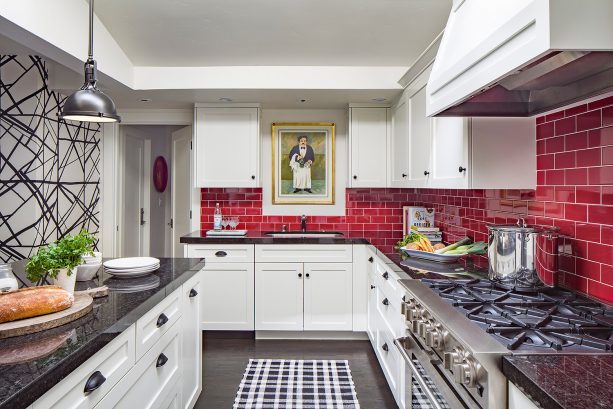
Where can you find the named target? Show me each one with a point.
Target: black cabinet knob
(386, 275)
(162, 319)
(385, 301)
(355, 177)
(426, 173)
(221, 253)
(385, 347)
(372, 287)
(162, 359)
(307, 275)
(93, 382)
(461, 169)
(252, 177)
(192, 293)
(370, 259)
(404, 175)
(299, 275)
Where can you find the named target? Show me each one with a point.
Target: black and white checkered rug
(296, 384)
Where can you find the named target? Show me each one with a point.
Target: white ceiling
(273, 32)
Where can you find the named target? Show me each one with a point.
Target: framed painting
(303, 163)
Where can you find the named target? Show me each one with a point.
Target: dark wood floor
(225, 360)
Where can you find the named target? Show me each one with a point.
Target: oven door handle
(420, 380)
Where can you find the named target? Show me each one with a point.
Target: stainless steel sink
(301, 235)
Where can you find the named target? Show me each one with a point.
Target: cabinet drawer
(152, 380)
(389, 311)
(222, 253)
(151, 326)
(388, 281)
(390, 360)
(113, 361)
(304, 253)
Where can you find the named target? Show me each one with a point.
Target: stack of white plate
(131, 266)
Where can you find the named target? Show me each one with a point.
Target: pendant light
(89, 104)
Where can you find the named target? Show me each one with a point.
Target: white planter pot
(67, 282)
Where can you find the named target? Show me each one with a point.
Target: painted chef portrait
(301, 158)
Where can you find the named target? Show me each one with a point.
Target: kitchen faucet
(303, 221)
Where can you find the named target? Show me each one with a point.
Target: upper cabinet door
(399, 144)
(450, 153)
(368, 147)
(226, 147)
(420, 134)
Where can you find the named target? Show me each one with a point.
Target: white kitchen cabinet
(152, 326)
(450, 153)
(372, 316)
(368, 143)
(112, 362)
(152, 379)
(360, 279)
(226, 147)
(279, 296)
(398, 152)
(303, 253)
(191, 351)
(328, 297)
(420, 134)
(227, 296)
(518, 399)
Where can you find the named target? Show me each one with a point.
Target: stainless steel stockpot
(521, 257)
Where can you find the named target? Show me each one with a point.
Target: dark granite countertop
(259, 237)
(563, 381)
(32, 364)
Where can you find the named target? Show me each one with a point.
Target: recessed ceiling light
(379, 99)
(145, 100)
(224, 99)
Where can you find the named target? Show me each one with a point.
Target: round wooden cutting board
(81, 306)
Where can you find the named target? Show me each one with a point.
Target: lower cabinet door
(372, 316)
(191, 362)
(328, 297)
(278, 297)
(227, 297)
(152, 379)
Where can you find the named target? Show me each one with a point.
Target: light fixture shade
(90, 105)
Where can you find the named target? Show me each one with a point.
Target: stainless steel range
(458, 331)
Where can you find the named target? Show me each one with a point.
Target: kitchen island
(31, 365)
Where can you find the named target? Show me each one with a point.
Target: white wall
(340, 118)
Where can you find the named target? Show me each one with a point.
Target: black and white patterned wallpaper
(49, 168)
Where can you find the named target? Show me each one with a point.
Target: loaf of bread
(33, 301)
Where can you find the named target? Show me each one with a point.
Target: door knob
(355, 177)
(404, 175)
(252, 177)
(299, 275)
(461, 169)
(426, 173)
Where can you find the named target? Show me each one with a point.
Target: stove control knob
(424, 327)
(453, 357)
(465, 373)
(434, 338)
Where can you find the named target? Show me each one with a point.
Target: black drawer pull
(385, 301)
(299, 275)
(162, 359)
(371, 259)
(192, 293)
(386, 275)
(252, 177)
(162, 319)
(307, 275)
(221, 253)
(385, 347)
(93, 382)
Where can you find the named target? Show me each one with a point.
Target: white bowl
(86, 272)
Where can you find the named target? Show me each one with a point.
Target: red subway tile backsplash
(574, 192)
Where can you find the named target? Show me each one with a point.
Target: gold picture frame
(303, 163)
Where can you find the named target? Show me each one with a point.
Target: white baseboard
(321, 335)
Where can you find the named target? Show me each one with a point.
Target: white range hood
(521, 57)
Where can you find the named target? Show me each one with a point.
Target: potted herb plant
(59, 260)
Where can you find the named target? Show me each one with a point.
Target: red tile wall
(574, 192)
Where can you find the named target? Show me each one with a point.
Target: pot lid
(522, 227)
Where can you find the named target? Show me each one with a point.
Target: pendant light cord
(91, 30)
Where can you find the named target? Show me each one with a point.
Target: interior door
(136, 159)
(181, 187)
(279, 296)
(328, 297)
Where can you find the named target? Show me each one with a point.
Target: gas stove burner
(552, 318)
